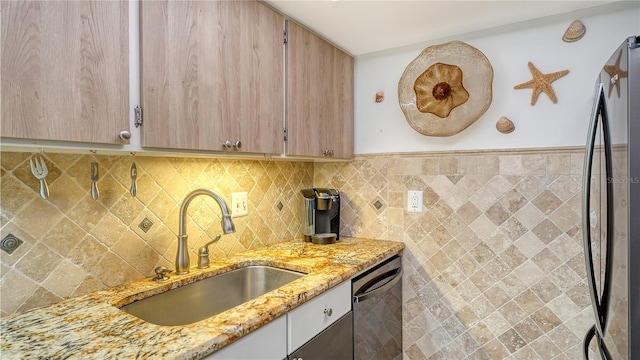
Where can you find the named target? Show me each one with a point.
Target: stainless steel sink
(208, 297)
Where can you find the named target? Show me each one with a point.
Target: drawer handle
(328, 312)
(362, 294)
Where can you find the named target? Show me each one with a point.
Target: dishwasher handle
(362, 294)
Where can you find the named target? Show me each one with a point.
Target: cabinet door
(212, 71)
(340, 136)
(65, 70)
(319, 96)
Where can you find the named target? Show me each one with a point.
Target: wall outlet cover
(414, 201)
(239, 204)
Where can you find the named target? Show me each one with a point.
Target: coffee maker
(321, 212)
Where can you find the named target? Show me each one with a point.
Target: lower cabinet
(310, 318)
(317, 323)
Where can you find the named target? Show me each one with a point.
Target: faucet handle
(203, 254)
(160, 274)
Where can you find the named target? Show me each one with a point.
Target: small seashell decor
(574, 32)
(505, 126)
(379, 96)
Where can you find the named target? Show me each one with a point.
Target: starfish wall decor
(615, 74)
(541, 83)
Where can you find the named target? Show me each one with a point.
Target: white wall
(382, 127)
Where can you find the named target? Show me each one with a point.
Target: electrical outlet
(414, 201)
(239, 204)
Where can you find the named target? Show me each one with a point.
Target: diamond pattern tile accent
(145, 225)
(10, 243)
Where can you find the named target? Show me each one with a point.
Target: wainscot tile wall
(494, 265)
(74, 245)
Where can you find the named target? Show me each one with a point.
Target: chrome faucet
(182, 257)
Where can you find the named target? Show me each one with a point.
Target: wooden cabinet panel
(212, 71)
(341, 136)
(65, 70)
(319, 98)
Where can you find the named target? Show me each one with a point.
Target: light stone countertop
(93, 326)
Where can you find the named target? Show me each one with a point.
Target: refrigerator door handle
(604, 352)
(586, 208)
(587, 341)
(608, 267)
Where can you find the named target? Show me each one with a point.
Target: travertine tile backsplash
(493, 266)
(74, 245)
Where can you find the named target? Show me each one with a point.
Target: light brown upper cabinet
(319, 95)
(212, 73)
(65, 70)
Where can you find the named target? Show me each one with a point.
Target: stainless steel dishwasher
(377, 312)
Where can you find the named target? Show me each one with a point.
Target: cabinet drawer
(309, 319)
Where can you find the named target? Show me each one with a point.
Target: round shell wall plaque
(446, 89)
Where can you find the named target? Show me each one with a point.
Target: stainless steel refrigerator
(611, 208)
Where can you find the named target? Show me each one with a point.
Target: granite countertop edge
(93, 326)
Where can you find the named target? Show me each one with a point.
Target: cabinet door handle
(328, 312)
(237, 145)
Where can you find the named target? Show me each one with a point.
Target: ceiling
(365, 26)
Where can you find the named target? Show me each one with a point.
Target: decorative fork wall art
(40, 171)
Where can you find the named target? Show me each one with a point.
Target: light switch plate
(239, 204)
(414, 201)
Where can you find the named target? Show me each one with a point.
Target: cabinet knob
(327, 152)
(235, 145)
(125, 134)
(328, 312)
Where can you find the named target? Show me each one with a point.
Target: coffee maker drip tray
(327, 238)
